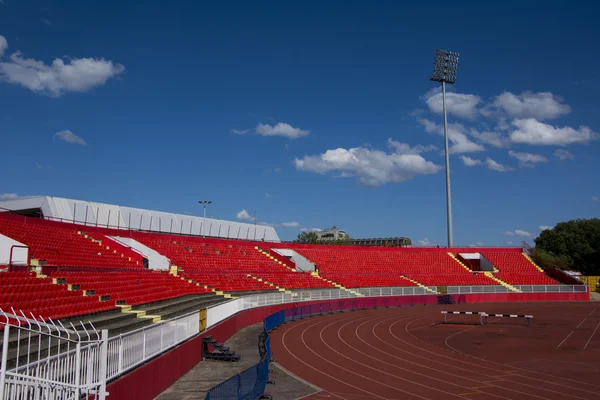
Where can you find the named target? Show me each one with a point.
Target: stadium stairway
(334, 283)
(272, 257)
(264, 281)
(460, 262)
(419, 284)
(534, 264)
(500, 281)
(107, 247)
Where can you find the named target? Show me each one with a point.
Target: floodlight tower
(205, 203)
(445, 67)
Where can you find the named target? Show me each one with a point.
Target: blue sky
(307, 114)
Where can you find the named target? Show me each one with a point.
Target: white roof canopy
(120, 217)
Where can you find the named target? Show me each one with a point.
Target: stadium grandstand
(144, 282)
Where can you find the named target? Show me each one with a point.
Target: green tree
(307, 237)
(573, 244)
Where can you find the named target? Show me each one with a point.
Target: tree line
(571, 245)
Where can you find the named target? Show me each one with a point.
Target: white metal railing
(477, 289)
(396, 291)
(43, 360)
(552, 288)
(131, 349)
(523, 288)
(223, 311)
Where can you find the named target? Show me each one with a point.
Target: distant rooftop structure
(335, 234)
(120, 217)
(331, 234)
(389, 241)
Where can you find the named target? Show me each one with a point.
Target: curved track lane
(398, 354)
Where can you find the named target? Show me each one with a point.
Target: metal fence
(43, 360)
(46, 360)
(486, 289)
(249, 384)
(552, 288)
(131, 349)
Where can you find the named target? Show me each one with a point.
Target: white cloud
(3, 45)
(268, 195)
(263, 223)
(244, 216)
(456, 135)
(534, 132)
(563, 154)
(371, 167)
(292, 224)
(476, 244)
(495, 139)
(518, 232)
(469, 162)
(509, 243)
(70, 137)
(425, 242)
(493, 165)
(545, 227)
(311, 230)
(281, 129)
(527, 159)
(8, 196)
(541, 106)
(47, 21)
(459, 104)
(63, 75)
(596, 199)
(240, 131)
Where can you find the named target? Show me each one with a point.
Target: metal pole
(448, 191)
(4, 360)
(204, 220)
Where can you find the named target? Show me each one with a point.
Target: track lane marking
(495, 363)
(593, 333)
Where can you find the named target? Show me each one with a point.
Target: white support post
(103, 364)
(4, 360)
(120, 359)
(77, 370)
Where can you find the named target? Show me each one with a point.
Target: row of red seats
(526, 279)
(354, 280)
(228, 282)
(22, 291)
(64, 246)
(132, 287)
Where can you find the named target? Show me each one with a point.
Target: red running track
(398, 354)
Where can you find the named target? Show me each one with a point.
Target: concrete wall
(20, 256)
(302, 264)
(155, 259)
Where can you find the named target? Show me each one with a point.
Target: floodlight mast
(445, 67)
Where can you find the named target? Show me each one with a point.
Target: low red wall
(507, 297)
(149, 380)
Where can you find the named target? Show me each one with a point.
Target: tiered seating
(452, 279)
(349, 267)
(297, 280)
(227, 282)
(63, 246)
(393, 262)
(196, 254)
(526, 279)
(517, 270)
(366, 280)
(130, 286)
(39, 296)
